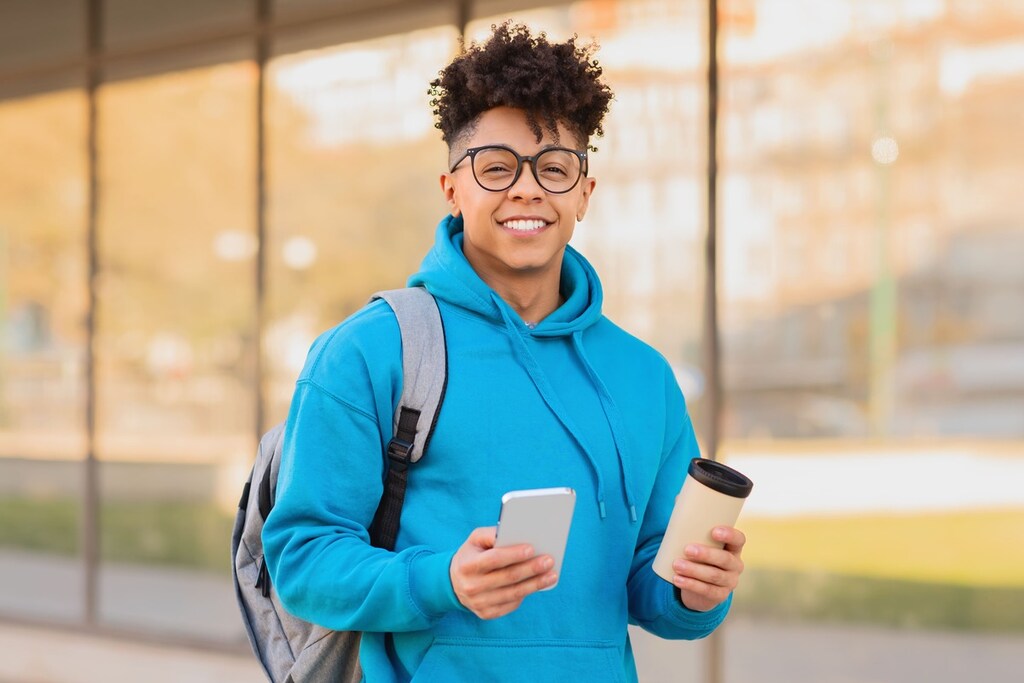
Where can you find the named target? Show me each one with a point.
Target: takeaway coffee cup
(712, 495)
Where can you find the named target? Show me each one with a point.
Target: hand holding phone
(539, 517)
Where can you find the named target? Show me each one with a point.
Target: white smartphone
(540, 517)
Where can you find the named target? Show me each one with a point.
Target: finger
(499, 610)
(489, 568)
(733, 538)
(497, 559)
(516, 592)
(489, 557)
(509, 598)
(510, 576)
(502, 599)
(698, 595)
(511, 583)
(483, 537)
(523, 571)
(723, 559)
(495, 611)
(705, 573)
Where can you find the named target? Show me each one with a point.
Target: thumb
(483, 537)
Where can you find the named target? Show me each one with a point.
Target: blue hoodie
(575, 401)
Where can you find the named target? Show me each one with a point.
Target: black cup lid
(721, 478)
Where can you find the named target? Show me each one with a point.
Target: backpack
(289, 649)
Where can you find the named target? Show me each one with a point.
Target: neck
(532, 299)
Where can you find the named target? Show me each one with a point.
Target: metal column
(90, 526)
(710, 346)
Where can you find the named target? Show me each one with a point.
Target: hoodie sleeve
(654, 604)
(316, 538)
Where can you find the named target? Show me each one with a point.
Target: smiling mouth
(525, 225)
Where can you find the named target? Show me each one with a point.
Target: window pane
(175, 342)
(871, 297)
(353, 161)
(43, 275)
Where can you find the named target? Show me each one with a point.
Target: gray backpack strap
(424, 360)
(424, 378)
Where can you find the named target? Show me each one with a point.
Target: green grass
(819, 596)
(182, 534)
(979, 549)
(953, 570)
(950, 571)
(49, 526)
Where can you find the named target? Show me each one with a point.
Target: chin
(527, 265)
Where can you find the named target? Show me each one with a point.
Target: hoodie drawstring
(533, 368)
(611, 413)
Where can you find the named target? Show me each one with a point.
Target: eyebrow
(555, 145)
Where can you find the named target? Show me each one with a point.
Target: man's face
(518, 234)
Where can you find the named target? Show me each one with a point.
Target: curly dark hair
(552, 82)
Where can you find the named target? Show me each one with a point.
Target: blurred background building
(190, 191)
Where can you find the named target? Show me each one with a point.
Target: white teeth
(524, 225)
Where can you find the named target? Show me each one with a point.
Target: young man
(543, 391)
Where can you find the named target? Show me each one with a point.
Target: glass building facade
(191, 191)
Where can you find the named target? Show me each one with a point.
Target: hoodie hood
(447, 275)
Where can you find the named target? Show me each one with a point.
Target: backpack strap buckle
(400, 453)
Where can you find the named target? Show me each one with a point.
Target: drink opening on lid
(721, 478)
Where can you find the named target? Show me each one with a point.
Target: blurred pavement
(37, 655)
(756, 652)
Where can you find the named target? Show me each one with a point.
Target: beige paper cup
(712, 495)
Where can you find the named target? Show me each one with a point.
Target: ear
(448, 188)
(584, 203)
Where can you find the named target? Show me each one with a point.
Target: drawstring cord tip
(600, 509)
(632, 512)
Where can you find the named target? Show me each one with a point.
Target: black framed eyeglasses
(496, 168)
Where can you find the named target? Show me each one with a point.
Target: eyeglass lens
(556, 170)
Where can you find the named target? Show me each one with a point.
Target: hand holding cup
(700, 551)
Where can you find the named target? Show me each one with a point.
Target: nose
(526, 185)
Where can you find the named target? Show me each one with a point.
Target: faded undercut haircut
(551, 82)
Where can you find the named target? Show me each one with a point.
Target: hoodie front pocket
(535, 661)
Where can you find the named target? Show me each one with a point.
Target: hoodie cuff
(430, 584)
(704, 622)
